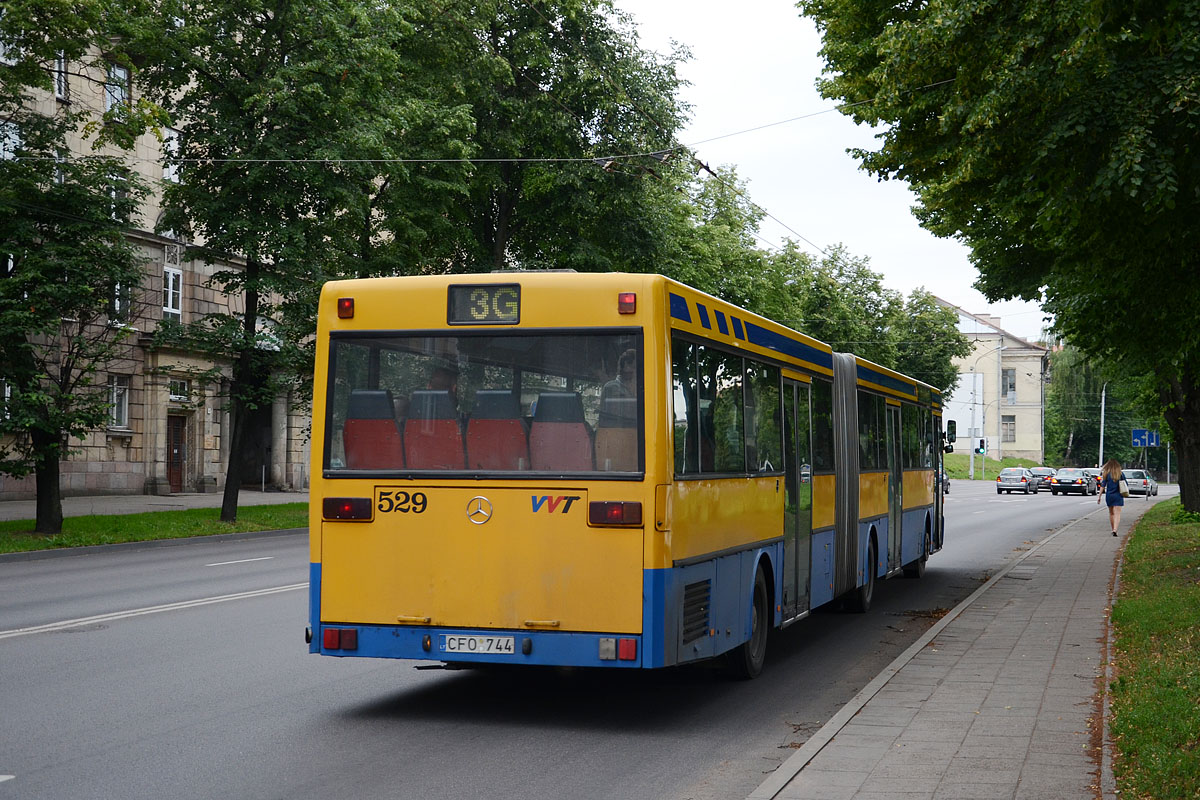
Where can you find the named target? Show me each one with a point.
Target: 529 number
(402, 502)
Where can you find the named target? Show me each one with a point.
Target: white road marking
(242, 561)
(138, 612)
(4, 778)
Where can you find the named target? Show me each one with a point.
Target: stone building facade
(168, 429)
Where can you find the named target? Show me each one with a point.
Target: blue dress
(1112, 491)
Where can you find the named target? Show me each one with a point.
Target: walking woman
(1110, 485)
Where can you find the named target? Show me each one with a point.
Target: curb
(63, 552)
(782, 776)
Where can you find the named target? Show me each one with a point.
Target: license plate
(502, 645)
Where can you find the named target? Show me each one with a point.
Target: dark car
(1096, 474)
(1072, 479)
(1044, 474)
(1140, 482)
(1016, 479)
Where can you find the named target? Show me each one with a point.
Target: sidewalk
(137, 503)
(1002, 698)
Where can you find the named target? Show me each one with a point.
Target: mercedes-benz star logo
(479, 510)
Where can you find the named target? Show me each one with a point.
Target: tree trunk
(1182, 410)
(241, 383)
(233, 470)
(49, 490)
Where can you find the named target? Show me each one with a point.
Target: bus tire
(860, 598)
(917, 568)
(746, 660)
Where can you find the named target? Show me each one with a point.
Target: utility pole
(1103, 389)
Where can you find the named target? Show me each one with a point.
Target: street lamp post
(1103, 390)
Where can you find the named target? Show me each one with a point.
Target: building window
(1008, 427)
(118, 398)
(179, 389)
(5, 398)
(118, 192)
(116, 89)
(10, 140)
(119, 304)
(1008, 385)
(62, 89)
(170, 151)
(172, 287)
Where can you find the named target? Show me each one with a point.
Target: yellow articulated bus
(599, 470)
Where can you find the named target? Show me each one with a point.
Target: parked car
(1044, 474)
(1141, 482)
(1072, 479)
(1016, 479)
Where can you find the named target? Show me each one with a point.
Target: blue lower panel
(544, 647)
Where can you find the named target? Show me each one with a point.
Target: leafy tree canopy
(1057, 139)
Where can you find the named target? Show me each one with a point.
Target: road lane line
(138, 612)
(241, 561)
(4, 778)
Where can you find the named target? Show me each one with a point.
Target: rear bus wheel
(860, 598)
(746, 660)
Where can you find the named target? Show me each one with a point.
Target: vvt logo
(552, 503)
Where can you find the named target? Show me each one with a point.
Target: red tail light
(603, 514)
(627, 649)
(626, 302)
(340, 638)
(346, 508)
(345, 306)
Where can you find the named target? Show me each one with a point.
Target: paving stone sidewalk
(1000, 699)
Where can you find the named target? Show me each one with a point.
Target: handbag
(1124, 486)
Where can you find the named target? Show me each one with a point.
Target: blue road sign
(1145, 438)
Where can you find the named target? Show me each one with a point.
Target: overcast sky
(755, 63)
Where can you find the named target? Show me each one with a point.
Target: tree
(69, 275)
(1057, 140)
(573, 121)
(928, 341)
(294, 122)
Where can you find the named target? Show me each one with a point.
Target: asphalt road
(192, 680)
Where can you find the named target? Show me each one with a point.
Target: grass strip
(958, 465)
(18, 536)
(1156, 696)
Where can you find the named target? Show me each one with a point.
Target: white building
(1001, 394)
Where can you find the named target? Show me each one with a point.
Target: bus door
(797, 513)
(895, 486)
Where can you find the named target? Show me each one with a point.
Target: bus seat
(617, 436)
(370, 434)
(559, 438)
(496, 435)
(432, 437)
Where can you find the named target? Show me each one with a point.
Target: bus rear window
(559, 403)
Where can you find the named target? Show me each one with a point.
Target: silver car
(1016, 479)
(1140, 482)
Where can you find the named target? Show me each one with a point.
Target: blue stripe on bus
(737, 328)
(787, 345)
(314, 605)
(679, 308)
(546, 648)
(887, 381)
(703, 312)
(721, 326)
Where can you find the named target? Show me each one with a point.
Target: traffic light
(982, 448)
